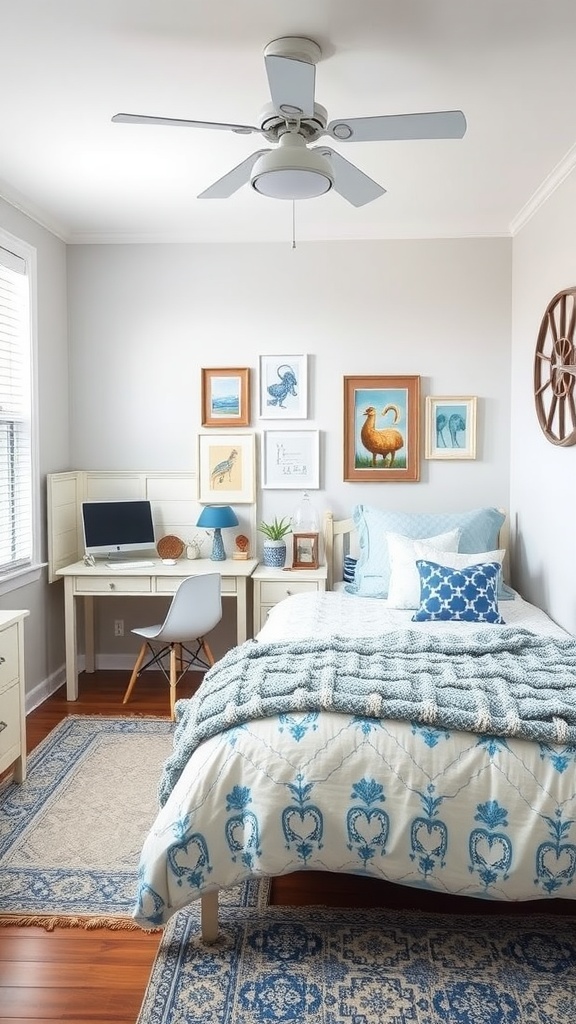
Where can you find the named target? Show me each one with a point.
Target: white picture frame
(450, 427)
(235, 454)
(291, 459)
(283, 387)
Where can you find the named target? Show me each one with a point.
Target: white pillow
(455, 560)
(404, 587)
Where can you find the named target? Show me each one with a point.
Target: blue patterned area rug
(71, 834)
(323, 966)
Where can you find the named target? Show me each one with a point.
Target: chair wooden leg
(135, 672)
(207, 652)
(173, 678)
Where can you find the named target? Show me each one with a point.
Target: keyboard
(129, 565)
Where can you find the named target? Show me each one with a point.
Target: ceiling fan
(294, 170)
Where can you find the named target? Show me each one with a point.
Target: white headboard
(340, 538)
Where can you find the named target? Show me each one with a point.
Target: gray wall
(143, 319)
(543, 476)
(44, 638)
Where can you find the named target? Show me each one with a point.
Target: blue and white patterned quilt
(420, 804)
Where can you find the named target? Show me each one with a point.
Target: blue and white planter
(274, 553)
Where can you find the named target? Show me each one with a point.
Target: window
(16, 449)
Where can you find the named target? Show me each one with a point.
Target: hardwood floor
(98, 975)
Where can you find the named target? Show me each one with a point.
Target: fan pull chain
(293, 224)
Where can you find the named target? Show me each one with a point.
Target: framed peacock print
(382, 429)
(450, 427)
(226, 469)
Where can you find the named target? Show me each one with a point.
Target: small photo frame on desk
(305, 551)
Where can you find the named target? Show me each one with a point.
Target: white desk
(159, 580)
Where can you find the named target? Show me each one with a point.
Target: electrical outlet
(118, 627)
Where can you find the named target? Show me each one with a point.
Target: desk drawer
(8, 656)
(10, 720)
(113, 584)
(170, 584)
(272, 591)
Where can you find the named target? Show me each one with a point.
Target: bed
(353, 736)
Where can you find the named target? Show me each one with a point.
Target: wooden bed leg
(209, 916)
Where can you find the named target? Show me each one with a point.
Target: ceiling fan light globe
(292, 173)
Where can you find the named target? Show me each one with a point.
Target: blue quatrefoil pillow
(468, 594)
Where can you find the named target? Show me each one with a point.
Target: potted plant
(274, 543)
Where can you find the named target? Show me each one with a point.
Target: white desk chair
(195, 609)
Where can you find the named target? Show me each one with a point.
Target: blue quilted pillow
(468, 594)
(479, 532)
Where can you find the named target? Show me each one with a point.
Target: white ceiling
(68, 65)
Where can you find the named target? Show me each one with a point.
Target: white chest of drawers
(272, 585)
(12, 694)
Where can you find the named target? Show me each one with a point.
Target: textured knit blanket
(502, 682)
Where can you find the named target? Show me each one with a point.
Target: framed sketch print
(226, 397)
(382, 429)
(450, 427)
(291, 458)
(283, 387)
(226, 469)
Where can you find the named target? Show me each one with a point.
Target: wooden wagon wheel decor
(555, 370)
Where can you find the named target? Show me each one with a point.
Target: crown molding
(25, 206)
(545, 190)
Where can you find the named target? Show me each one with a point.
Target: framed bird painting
(226, 469)
(450, 427)
(382, 429)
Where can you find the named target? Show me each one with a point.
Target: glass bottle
(305, 517)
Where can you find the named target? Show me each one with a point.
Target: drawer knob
(3, 725)
(112, 586)
(2, 660)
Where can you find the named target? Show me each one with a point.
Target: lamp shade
(216, 517)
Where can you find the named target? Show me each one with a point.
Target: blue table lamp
(216, 517)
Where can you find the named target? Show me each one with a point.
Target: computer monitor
(115, 527)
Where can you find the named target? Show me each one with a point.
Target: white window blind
(16, 541)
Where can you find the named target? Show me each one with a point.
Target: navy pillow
(468, 594)
(349, 569)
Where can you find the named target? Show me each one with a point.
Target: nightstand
(272, 585)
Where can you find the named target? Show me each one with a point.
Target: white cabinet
(12, 697)
(272, 585)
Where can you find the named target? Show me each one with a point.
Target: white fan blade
(291, 85)
(233, 180)
(349, 181)
(241, 129)
(441, 124)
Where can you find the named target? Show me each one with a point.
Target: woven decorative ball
(170, 546)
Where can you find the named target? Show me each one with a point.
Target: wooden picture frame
(382, 429)
(291, 459)
(450, 427)
(226, 469)
(283, 387)
(225, 396)
(305, 551)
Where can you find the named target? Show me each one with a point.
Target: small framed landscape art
(450, 427)
(290, 458)
(382, 429)
(226, 469)
(283, 387)
(226, 397)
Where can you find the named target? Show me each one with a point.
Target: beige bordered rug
(71, 834)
